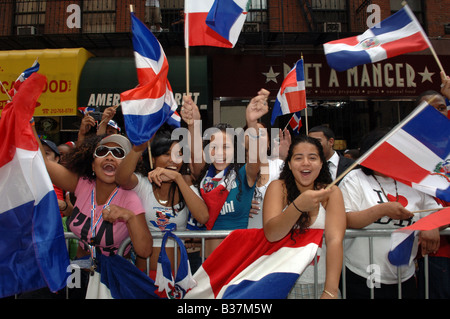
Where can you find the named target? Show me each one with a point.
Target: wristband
(293, 203)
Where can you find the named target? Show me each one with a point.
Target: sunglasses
(116, 152)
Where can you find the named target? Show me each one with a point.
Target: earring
(93, 173)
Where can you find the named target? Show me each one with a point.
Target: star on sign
(271, 76)
(426, 75)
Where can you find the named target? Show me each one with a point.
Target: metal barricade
(350, 233)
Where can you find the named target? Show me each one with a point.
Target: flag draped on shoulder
(214, 22)
(402, 240)
(416, 152)
(291, 97)
(23, 76)
(247, 266)
(33, 249)
(149, 105)
(398, 34)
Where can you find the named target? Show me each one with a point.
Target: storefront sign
(62, 67)
(404, 76)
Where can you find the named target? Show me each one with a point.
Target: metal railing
(350, 233)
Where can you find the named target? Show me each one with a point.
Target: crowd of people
(109, 189)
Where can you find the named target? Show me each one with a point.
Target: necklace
(162, 202)
(384, 193)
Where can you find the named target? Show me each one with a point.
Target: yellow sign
(62, 67)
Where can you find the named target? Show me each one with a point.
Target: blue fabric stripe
(299, 71)
(222, 16)
(431, 129)
(34, 254)
(401, 254)
(394, 22)
(272, 286)
(144, 42)
(343, 60)
(140, 128)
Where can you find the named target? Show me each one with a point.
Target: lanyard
(94, 224)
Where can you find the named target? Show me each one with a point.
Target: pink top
(108, 236)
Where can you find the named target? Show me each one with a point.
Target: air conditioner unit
(26, 30)
(332, 27)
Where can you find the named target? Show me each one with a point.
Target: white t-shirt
(256, 221)
(159, 217)
(361, 191)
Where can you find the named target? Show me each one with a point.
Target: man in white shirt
(336, 163)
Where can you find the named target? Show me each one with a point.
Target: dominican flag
(398, 34)
(403, 247)
(33, 249)
(85, 109)
(168, 286)
(215, 23)
(247, 266)
(23, 76)
(296, 122)
(151, 103)
(416, 152)
(292, 96)
(117, 278)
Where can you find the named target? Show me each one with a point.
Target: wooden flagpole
(433, 52)
(306, 107)
(364, 156)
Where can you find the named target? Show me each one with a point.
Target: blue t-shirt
(234, 213)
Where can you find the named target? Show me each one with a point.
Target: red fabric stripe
(395, 164)
(349, 41)
(432, 221)
(15, 125)
(413, 43)
(243, 247)
(296, 100)
(201, 34)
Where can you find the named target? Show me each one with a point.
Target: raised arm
(125, 172)
(255, 110)
(60, 176)
(191, 115)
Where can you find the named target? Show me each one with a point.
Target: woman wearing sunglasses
(166, 191)
(104, 214)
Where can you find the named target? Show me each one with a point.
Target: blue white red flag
(149, 105)
(296, 122)
(214, 22)
(403, 250)
(168, 286)
(416, 152)
(23, 76)
(33, 249)
(117, 278)
(398, 34)
(85, 109)
(291, 97)
(247, 266)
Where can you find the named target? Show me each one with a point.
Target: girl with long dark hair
(299, 200)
